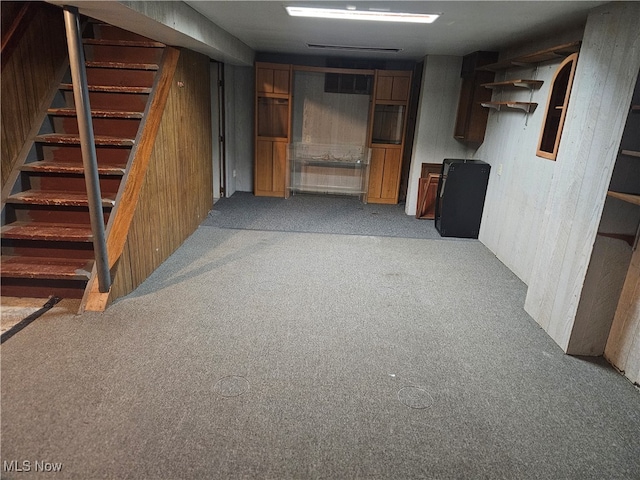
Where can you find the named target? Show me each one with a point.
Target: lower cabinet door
(384, 175)
(270, 168)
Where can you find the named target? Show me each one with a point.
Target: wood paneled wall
(327, 118)
(177, 191)
(601, 95)
(28, 78)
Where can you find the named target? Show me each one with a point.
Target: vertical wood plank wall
(177, 192)
(27, 79)
(327, 118)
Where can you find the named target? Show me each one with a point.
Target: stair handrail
(87, 144)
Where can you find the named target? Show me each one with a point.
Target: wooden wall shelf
(519, 83)
(527, 107)
(625, 197)
(630, 153)
(533, 58)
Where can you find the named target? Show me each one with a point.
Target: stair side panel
(176, 194)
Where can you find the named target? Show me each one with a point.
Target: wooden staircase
(46, 234)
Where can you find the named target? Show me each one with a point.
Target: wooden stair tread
(61, 232)
(122, 65)
(46, 268)
(55, 198)
(96, 113)
(123, 43)
(109, 88)
(74, 139)
(73, 168)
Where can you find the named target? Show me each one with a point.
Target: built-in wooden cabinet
(384, 175)
(471, 119)
(273, 78)
(392, 86)
(386, 134)
(270, 168)
(272, 127)
(279, 172)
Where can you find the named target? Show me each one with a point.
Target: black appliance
(460, 199)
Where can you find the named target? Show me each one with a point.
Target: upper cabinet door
(273, 78)
(393, 85)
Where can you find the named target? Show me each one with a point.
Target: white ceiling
(464, 27)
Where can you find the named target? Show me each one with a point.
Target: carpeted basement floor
(293, 355)
(317, 214)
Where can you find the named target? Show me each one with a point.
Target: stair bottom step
(33, 288)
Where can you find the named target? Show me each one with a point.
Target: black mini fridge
(460, 199)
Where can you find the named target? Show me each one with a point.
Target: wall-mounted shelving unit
(628, 160)
(519, 83)
(523, 61)
(526, 107)
(553, 53)
(627, 197)
(473, 109)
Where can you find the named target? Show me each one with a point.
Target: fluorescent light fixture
(335, 13)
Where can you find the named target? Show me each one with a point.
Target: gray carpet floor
(288, 355)
(317, 214)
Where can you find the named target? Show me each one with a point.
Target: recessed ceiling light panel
(338, 14)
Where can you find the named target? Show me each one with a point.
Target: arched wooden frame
(556, 110)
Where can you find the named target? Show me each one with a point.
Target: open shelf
(625, 197)
(630, 153)
(527, 107)
(540, 56)
(519, 83)
(635, 108)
